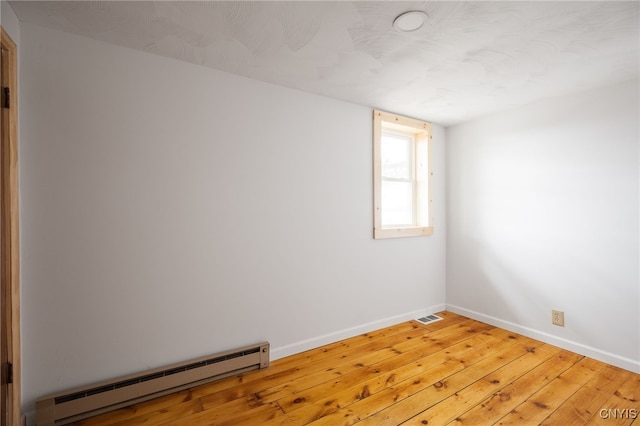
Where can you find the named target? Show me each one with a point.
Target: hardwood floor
(452, 372)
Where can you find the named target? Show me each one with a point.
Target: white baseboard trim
(570, 345)
(314, 342)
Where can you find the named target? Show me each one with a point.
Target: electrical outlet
(557, 318)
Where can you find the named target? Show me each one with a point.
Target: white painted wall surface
(171, 211)
(543, 213)
(10, 21)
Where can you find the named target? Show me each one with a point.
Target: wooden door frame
(10, 237)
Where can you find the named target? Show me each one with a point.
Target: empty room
(324, 213)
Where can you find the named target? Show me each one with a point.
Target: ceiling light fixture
(410, 21)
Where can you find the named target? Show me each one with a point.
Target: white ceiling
(469, 59)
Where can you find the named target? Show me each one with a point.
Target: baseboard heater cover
(87, 401)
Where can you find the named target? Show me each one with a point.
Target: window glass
(396, 156)
(397, 203)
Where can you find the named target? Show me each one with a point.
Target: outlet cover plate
(557, 318)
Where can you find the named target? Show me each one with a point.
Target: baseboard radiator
(80, 403)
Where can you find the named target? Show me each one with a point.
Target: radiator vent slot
(429, 319)
(80, 403)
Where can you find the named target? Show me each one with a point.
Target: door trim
(10, 236)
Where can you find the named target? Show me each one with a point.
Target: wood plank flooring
(453, 372)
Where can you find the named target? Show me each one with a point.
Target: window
(402, 176)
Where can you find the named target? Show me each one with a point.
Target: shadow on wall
(488, 286)
(521, 283)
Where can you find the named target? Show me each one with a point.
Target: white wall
(543, 213)
(10, 22)
(171, 211)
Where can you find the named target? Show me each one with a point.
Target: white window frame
(422, 175)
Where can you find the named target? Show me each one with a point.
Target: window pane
(397, 203)
(396, 156)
